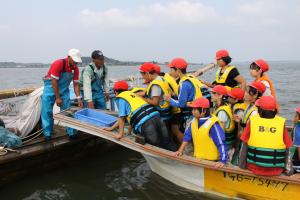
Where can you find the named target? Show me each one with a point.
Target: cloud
(145, 16)
(112, 18)
(183, 11)
(261, 12)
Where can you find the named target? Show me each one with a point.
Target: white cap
(75, 55)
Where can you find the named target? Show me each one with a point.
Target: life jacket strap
(141, 113)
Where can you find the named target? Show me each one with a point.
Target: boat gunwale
(165, 153)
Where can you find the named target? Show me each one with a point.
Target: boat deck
(39, 154)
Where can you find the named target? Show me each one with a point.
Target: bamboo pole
(4, 94)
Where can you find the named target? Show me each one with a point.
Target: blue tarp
(9, 139)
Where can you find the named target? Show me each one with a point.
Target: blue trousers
(48, 100)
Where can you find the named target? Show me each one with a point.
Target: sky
(144, 30)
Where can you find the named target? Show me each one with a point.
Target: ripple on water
(137, 176)
(55, 194)
(133, 175)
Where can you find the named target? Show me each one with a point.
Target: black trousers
(156, 133)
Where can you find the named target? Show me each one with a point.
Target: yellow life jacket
(204, 146)
(164, 106)
(187, 111)
(221, 79)
(174, 86)
(229, 132)
(239, 106)
(138, 89)
(137, 115)
(249, 110)
(266, 146)
(195, 82)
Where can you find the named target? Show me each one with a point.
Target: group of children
(233, 123)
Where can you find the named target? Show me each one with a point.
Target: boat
(37, 155)
(195, 174)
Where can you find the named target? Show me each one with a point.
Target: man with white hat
(56, 89)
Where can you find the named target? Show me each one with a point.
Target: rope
(4, 151)
(17, 92)
(6, 108)
(38, 133)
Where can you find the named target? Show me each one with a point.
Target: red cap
(266, 103)
(237, 93)
(147, 67)
(157, 69)
(178, 63)
(221, 54)
(201, 102)
(220, 89)
(298, 109)
(121, 85)
(261, 88)
(263, 65)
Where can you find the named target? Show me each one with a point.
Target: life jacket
(265, 77)
(229, 132)
(204, 146)
(138, 89)
(249, 110)
(140, 112)
(239, 106)
(174, 86)
(221, 79)
(195, 82)
(187, 111)
(266, 147)
(164, 106)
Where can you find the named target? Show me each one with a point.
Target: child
(266, 141)
(258, 71)
(296, 139)
(143, 118)
(223, 111)
(206, 134)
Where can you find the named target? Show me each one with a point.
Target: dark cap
(97, 55)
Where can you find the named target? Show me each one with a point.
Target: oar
(201, 71)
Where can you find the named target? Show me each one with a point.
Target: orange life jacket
(265, 77)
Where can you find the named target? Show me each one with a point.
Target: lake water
(124, 174)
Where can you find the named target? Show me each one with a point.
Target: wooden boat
(39, 154)
(196, 174)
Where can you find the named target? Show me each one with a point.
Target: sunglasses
(251, 91)
(255, 67)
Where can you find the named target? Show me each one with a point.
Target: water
(124, 174)
(121, 174)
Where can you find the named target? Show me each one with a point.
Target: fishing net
(22, 113)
